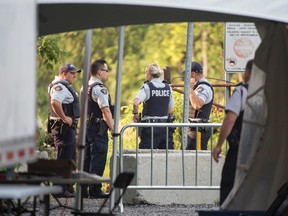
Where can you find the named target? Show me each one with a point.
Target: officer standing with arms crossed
(158, 102)
(231, 130)
(64, 115)
(100, 119)
(201, 99)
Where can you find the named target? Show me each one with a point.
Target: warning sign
(241, 42)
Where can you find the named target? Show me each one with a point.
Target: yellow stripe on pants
(198, 140)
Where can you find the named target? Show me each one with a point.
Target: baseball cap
(69, 68)
(196, 67)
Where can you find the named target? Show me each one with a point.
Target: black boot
(95, 192)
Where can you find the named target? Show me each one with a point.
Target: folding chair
(122, 182)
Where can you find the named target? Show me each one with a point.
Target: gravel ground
(93, 205)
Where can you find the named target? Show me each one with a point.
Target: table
(12, 192)
(78, 177)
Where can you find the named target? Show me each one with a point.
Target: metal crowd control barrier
(151, 186)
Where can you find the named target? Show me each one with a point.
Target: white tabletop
(19, 191)
(79, 177)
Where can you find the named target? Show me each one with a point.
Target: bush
(43, 139)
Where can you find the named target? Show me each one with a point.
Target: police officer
(201, 100)
(231, 130)
(158, 102)
(100, 120)
(64, 115)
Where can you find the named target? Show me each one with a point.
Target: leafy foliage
(49, 51)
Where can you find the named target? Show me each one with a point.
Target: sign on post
(241, 42)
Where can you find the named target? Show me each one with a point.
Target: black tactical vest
(234, 136)
(73, 109)
(205, 110)
(93, 107)
(157, 104)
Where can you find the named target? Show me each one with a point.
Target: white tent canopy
(69, 15)
(263, 154)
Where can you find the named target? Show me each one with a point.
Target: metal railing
(150, 185)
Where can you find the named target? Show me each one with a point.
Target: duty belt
(197, 120)
(74, 125)
(94, 120)
(154, 121)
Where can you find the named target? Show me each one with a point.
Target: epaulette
(92, 85)
(51, 85)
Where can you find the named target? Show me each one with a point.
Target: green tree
(49, 54)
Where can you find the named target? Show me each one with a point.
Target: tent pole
(117, 112)
(82, 130)
(187, 77)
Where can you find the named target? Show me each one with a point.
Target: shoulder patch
(58, 88)
(104, 91)
(199, 89)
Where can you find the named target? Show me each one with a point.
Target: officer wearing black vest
(64, 115)
(201, 99)
(158, 102)
(100, 120)
(231, 130)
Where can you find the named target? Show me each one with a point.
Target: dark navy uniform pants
(205, 136)
(95, 156)
(228, 172)
(159, 138)
(65, 143)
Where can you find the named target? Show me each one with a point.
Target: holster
(103, 128)
(93, 120)
(171, 119)
(51, 123)
(63, 128)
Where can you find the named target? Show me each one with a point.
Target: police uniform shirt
(60, 93)
(237, 101)
(144, 93)
(99, 93)
(204, 91)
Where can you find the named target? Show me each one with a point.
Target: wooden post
(167, 74)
